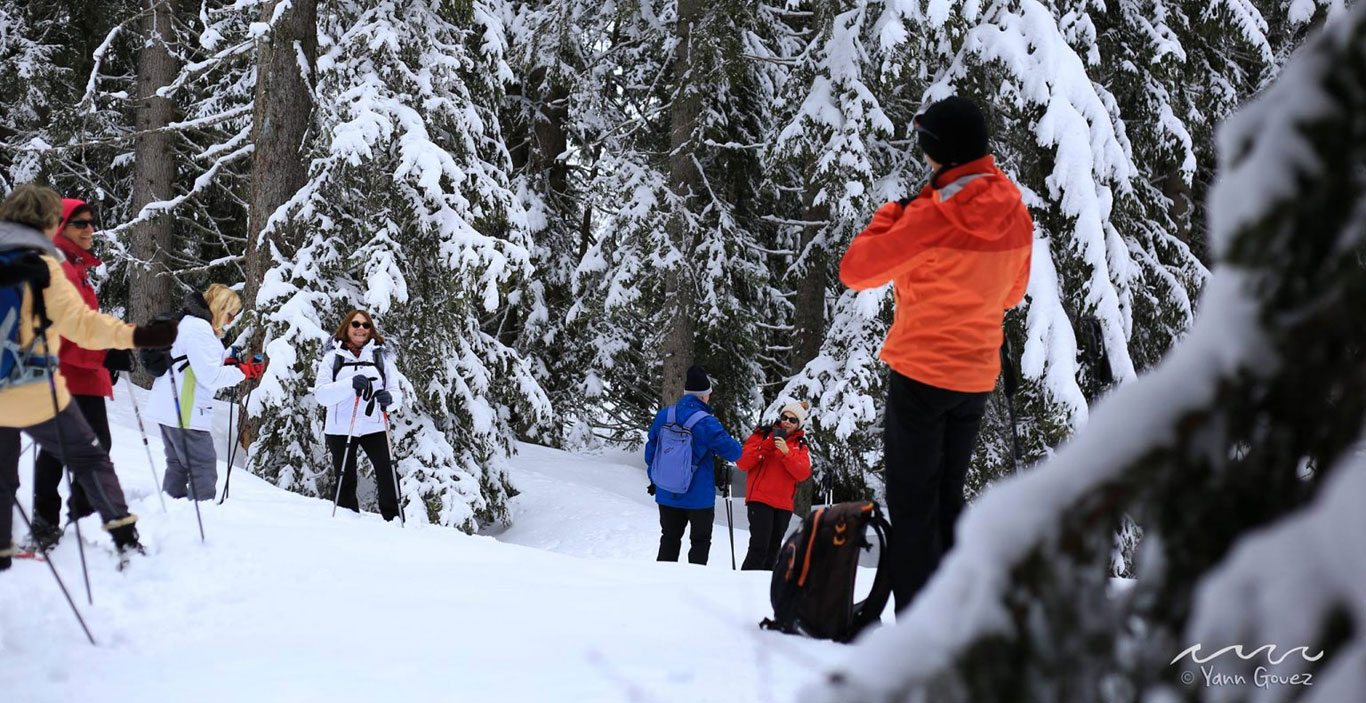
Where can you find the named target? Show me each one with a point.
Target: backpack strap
(672, 417)
(869, 610)
(694, 419)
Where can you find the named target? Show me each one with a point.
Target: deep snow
(284, 603)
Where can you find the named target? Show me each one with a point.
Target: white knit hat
(798, 410)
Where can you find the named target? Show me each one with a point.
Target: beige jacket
(27, 405)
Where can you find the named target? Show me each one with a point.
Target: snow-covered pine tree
(555, 114)
(834, 161)
(677, 272)
(81, 137)
(1206, 451)
(408, 213)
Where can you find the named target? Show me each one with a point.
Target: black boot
(43, 535)
(5, 555)
(126, 539)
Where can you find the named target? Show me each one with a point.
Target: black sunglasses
(358, 323)
(788, 419)
(81, 224)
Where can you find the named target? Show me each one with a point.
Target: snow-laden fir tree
(677, 273)
(834, 160)
(408, 213)
(80, 127)
(1244, 546)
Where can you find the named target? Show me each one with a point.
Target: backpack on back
(813, 582)
(19, 365)
(158, 361)
(673, 467)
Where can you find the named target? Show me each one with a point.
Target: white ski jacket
(197, 377)
(339, 398)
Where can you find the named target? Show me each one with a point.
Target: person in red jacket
(775, 459)
(958, 256)
(86, 378)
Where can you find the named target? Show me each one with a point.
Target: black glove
(905, 201)
(159, 334)
(25, 269)
(650, 488)
(361, 383)
(117, 360)
(384, 398)
(722, 476)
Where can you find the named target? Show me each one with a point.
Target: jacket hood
(14, 235)
(75, 254)
(70, 206)
(982, 205)
(196, 306)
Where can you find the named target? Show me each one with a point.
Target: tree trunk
(684, 181)
(284, 107)
(151, 287)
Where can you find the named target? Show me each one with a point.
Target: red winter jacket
(773, 476)
(83, 368)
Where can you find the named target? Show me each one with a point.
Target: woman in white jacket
(199, 367)
(357, 382)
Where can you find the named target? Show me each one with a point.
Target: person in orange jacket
(958, 256)
(775, 459)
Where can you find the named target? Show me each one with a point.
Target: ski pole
(346, 455)
(74, 610)
(41, 310)
(1011, 382)
(730, 518)
(185, 451)
(393, 469)
(232, 448)
(151, 463)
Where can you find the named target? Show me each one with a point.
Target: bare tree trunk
(151, 288)
(684, 181)
(284, 108)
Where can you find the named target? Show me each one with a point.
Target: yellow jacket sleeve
(73, 319)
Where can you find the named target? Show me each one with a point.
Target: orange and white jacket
(958, 255)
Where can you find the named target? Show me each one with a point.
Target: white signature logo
(1237, 649)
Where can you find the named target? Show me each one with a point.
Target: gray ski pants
(189, 454)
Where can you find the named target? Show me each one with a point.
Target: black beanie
(697, 383)
(953, 131)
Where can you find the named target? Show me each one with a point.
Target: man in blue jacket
(696, 507)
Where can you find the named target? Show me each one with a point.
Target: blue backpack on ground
(673, 467)
(18, 365)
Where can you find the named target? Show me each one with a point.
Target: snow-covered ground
(284, 603)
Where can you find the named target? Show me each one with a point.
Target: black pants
(47, 469)
(672, 522)
(376, 446)
(929, 435)
(89, 463)
(767, 525)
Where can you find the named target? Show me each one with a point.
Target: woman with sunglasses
(357, 382)
(86, 377)
(775, 459)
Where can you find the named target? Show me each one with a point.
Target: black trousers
(672, 522)
(89, 463)
(929, 435)
(767, 525)
(376, 447)
(47, 469)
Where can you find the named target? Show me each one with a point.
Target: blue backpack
(673, 467)
(19, 365)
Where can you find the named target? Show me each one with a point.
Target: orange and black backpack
(813, 581)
